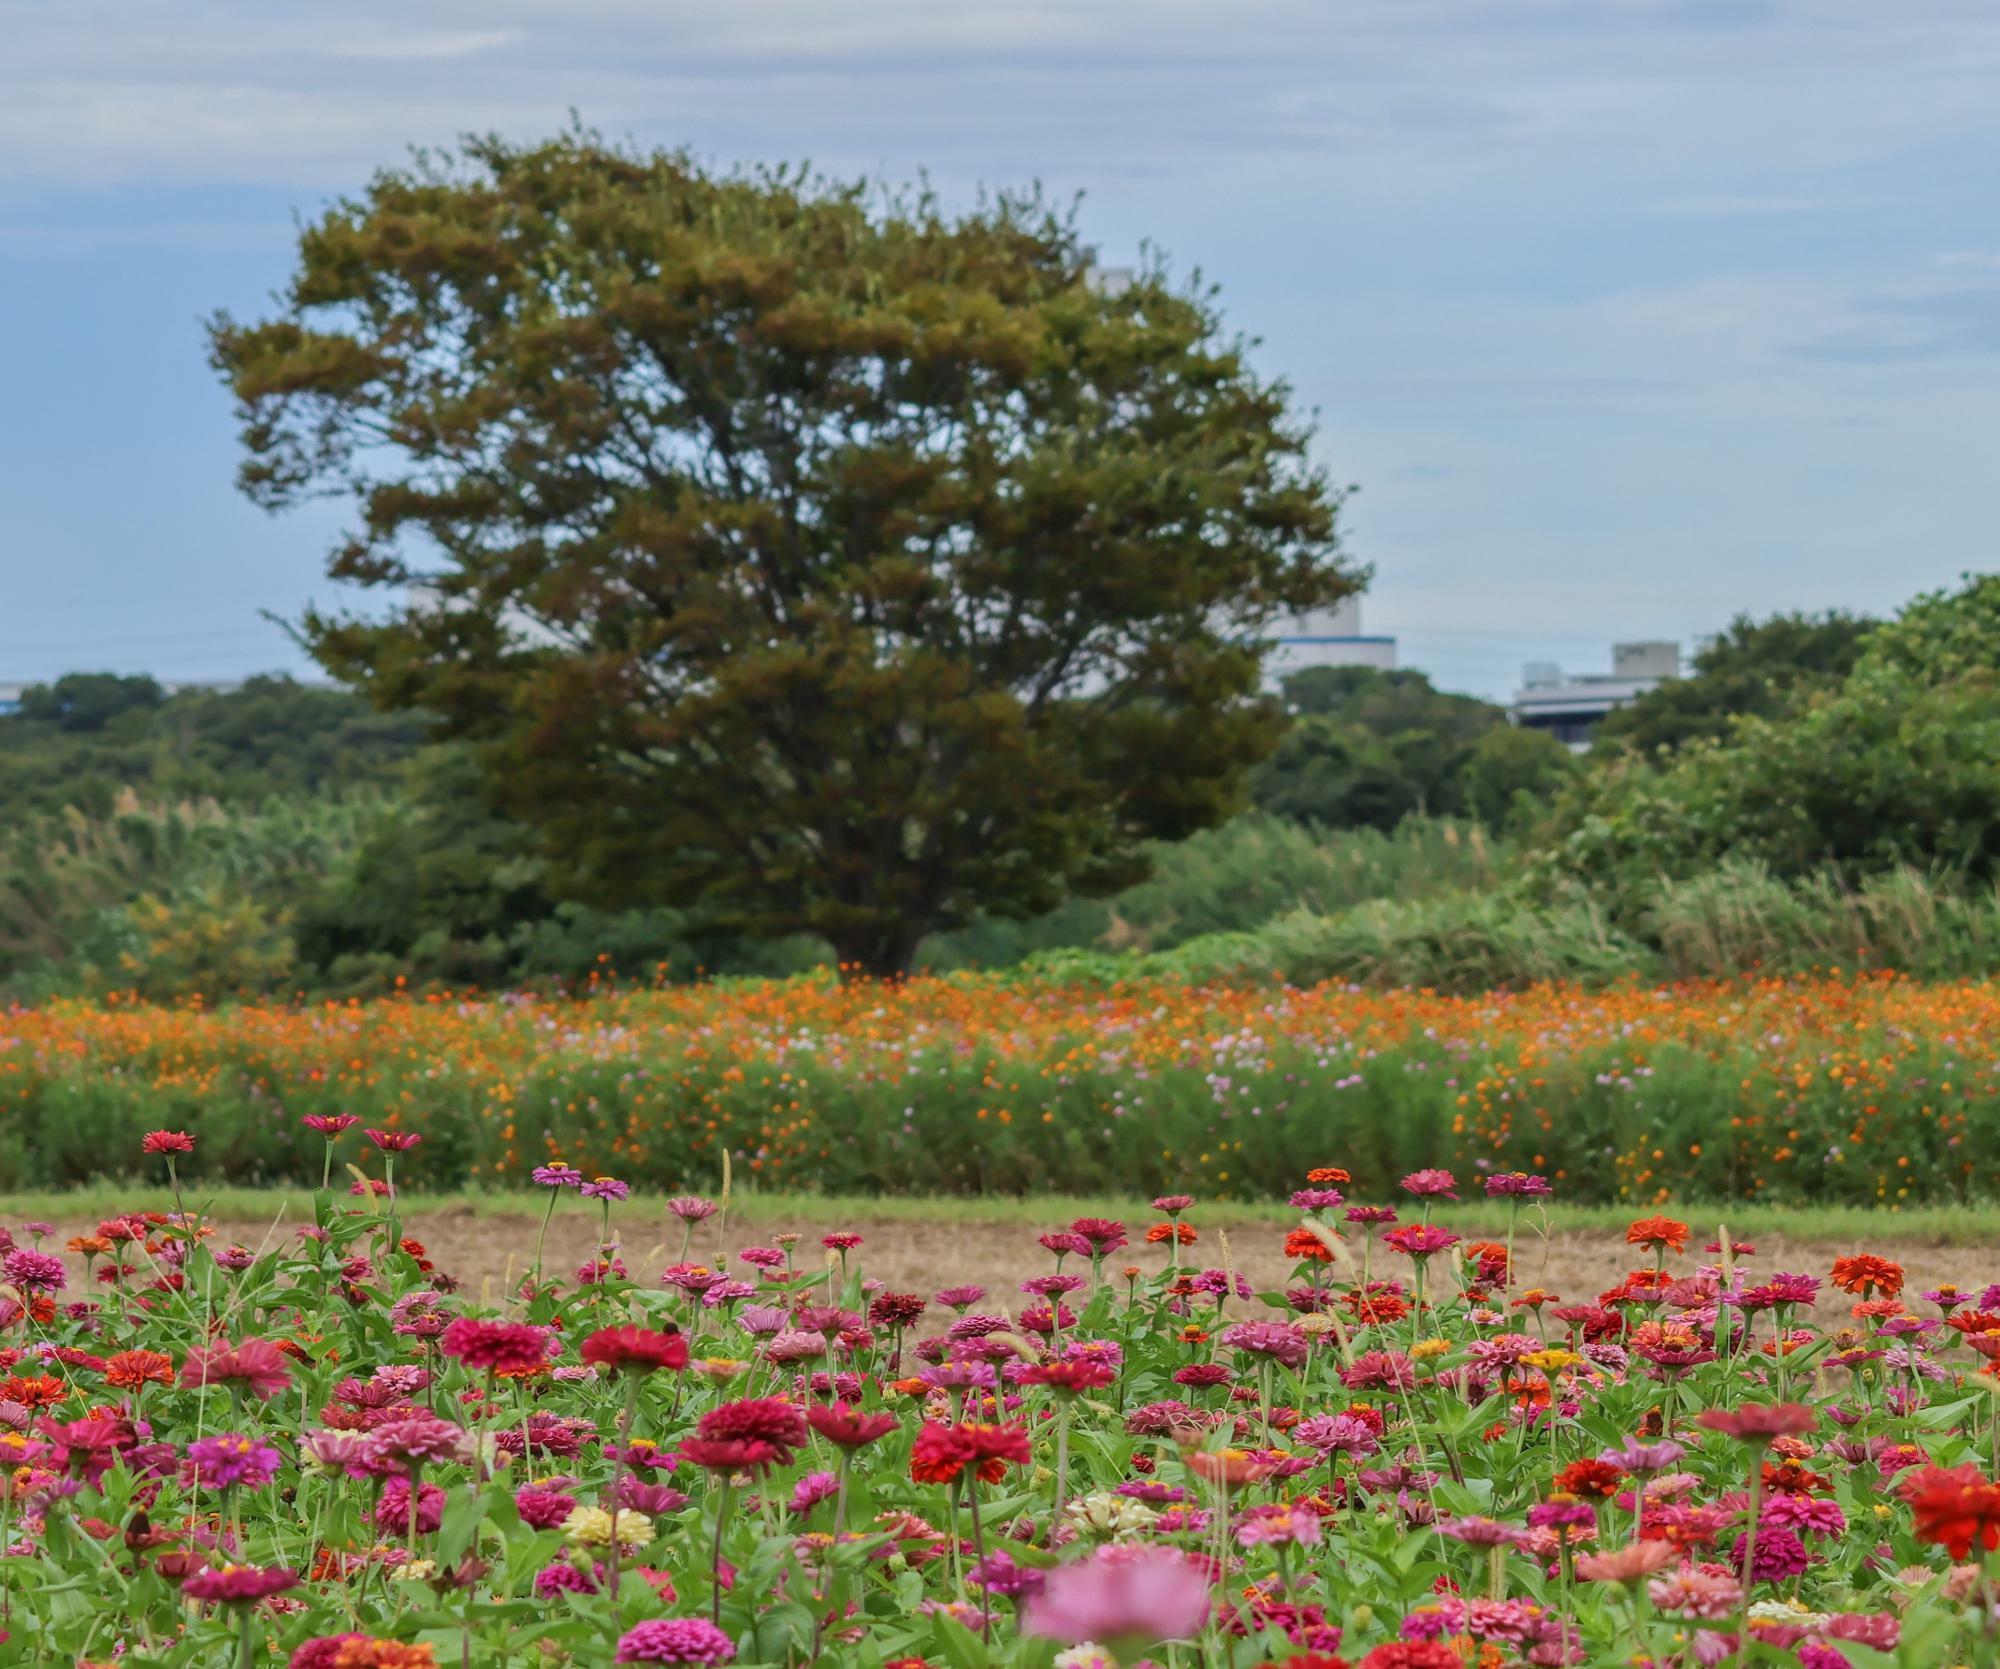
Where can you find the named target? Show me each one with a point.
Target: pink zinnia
(239, 1584)
(1759, 1423)
(1124, 1598)
(1431, 1184)
(675, 1640)
(257, 1365)
(1419, 1240)
(330, 1125)
(1279, 1340)
(166, 1141)
(392, 1141)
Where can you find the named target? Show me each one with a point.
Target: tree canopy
(1895, 764)
(84, 740)
(1368, 748)
(792, 549)
(1751, 668)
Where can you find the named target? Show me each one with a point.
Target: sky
(1623, 315)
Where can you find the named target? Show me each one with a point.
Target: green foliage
(447, 890)
(1237, 878)
(1899, 765)
(88, 739)
(804, 556)
(87, 701)
(1369, 748)
(1752, 668)
(190, 898)
(1512, 774)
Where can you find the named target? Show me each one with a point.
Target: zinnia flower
(1660, 1233)
(230, 1460)
(257, 1365)
(1431, 1184)
(1126, 1598)
(848, 1428)
(675, 1640)
(1759, 1423)
(634, 1350)
(239, 1584)
(166, 1141)
(496, 1346)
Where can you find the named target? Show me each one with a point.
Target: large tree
(793, 550)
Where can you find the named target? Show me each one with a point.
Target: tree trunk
(884, 951)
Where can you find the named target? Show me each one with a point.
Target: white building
(1569, 707)
(1326, 637)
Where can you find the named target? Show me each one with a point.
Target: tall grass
(1236, 879)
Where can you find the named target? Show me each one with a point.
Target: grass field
(1969, 1225)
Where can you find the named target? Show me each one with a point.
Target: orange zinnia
(130, 1369)
(1866, 1273)
(1303, 1243)
(33, 1390)
(1659, 1233)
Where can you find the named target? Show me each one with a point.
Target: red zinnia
(1412, 1654)
(634, 1349)
(1590, 1480)
(732, 1454)
(392, 1141)
(1070, 1378)
(330, 1124)
(848, 1428)
(167, 1141)
(1954, 1507)
(768, 1420)
(496, 1346)
(941, 1453)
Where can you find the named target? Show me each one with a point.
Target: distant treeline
(1821, 790)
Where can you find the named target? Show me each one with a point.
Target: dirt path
(922, 1256)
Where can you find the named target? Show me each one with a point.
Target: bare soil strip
(488, 1252)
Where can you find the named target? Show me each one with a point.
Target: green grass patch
(1930, 1225)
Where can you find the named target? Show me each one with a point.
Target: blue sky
(1624, 315)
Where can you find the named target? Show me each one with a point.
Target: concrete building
(1569, 707)
(1326, 637)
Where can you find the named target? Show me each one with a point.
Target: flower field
(323, 1454)
(1838, 1089)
